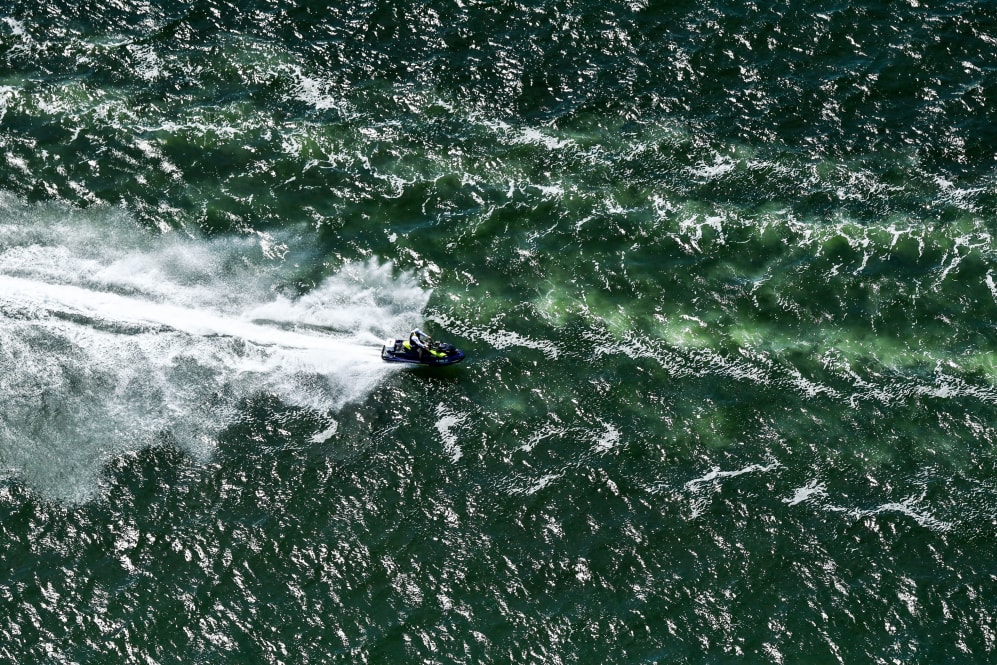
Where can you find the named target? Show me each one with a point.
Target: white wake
(112, 338)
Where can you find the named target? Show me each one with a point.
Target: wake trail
(110, 308)
(113, 339)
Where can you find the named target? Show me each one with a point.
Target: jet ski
(439, 354)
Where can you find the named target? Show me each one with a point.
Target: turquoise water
(724, 272)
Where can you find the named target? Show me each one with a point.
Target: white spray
(112, 339)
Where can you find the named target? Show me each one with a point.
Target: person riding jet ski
(421, 349)
(419, 341)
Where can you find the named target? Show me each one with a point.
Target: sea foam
(113, 339)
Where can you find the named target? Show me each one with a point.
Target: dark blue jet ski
(438, 354)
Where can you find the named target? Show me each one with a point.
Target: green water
(725, 277)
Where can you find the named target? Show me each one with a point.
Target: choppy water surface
(725, 275)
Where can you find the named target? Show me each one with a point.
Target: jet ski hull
(440, 354)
